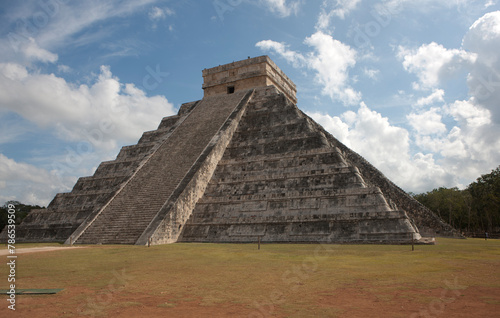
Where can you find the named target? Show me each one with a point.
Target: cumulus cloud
(370, 129)
(469, 145)
(483, 39)
(436, 96)
(469, 114)
(330, 60)
(120, 112)
(295, 58)
(27, 183)
(427, 123)
(432, 62)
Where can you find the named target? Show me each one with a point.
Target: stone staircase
(131, 210)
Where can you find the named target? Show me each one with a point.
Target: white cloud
(371, 130)
(424, 173)
(437, 96)
(489, 3)
(120, 112)
(88, 121)
(336, 8)
(296, 59)
(454, 147)
(33, 52)
(470, 147)
(371, 73)
(331, 61)
(427, 123)
(344, 7)
(13, 72)
(283, 8)
(469, 114)
(27, 183)
(431, 63)
(483, 39)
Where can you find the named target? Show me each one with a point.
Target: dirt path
(346, 302)
(37, 249)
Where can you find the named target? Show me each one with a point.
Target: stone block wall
(247, 74)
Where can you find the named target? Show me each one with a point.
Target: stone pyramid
(242, 164)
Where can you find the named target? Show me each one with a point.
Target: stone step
(227, 160)
(294, 172)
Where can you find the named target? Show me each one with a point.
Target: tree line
(474, 209)
(22, 211)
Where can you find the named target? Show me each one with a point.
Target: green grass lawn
(284, 279)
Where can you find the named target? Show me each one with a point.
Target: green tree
(485, 194)
(22, 211)
(449, 204)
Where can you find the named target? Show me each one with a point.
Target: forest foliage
(22, 211)
(473, 209)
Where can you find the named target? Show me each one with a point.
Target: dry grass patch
(239, 280)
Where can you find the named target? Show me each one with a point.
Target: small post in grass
(259, 241)
(412, 242)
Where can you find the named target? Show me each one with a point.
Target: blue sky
(413, 86)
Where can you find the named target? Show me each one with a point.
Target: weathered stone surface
(242, 163)
(246, 74)
(281, 178)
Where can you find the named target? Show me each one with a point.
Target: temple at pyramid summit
(241, 164)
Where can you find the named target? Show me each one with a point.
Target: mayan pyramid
(244, 163)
